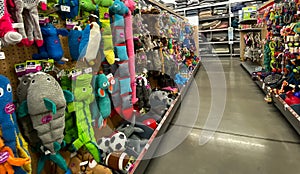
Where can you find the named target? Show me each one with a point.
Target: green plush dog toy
(83, 97)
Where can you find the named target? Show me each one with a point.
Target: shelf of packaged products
(148, 152)
(249, 29)
(165, 8)
(214, 18)
(203, 6)
(281, 105)
(213, 30)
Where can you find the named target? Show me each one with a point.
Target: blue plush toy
(118, 9)
(74, 40)
(52, 47)
(102, 88)
(9, 128)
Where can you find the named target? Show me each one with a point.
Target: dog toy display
(9, 129)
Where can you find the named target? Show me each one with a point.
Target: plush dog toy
(8, 159)
(102, 88)
(52, 47)
(30, 134)
(130, 46)
(108, 47)
(90, 43)
(26, 13)
(74, 39)
(84, 162)
(46, 105)
(6, 30)
(8, 123)
(83, 97)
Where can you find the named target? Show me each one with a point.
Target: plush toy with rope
(8, 159)
(8, 123)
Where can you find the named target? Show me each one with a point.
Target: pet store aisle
(251, 137)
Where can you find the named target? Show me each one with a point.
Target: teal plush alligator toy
(45, 105)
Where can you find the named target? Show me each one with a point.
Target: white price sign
(2, 56)
(65, 8)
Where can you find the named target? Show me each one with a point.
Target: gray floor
(247, 136)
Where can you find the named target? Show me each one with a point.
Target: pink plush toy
(130, 47)
(7, 31)
(26, 13)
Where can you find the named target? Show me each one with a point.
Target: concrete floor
(247, 136)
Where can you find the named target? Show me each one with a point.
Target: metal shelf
(203, 6)
(214, 18)
(279, 103)
(165, 8)
(221, 42)
(147, 153)
(214, 55)
(249, 21)
(213, 30)
(250, 29)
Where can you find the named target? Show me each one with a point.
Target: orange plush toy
(7, 159)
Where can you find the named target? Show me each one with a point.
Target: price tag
(230, 33)
(2, 56)
(286, 106)
(88, 70)
(263, 86)
(65, 8)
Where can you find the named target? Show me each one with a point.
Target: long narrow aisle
(252, 137)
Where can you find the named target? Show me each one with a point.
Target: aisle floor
(247, 136)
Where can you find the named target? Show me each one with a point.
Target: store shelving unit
(148, 152)
(153, 143)
(292, 117)
(230, 44)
